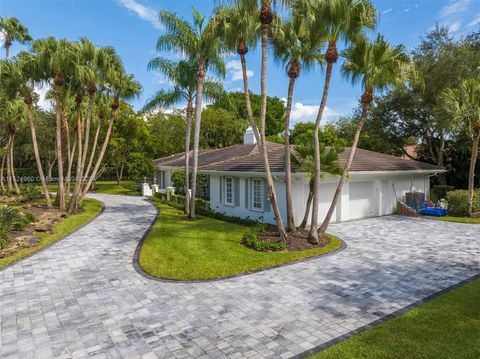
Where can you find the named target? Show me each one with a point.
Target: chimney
(249, 137)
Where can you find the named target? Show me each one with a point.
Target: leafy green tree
(165, 130)
(220, 128)
(139, 166)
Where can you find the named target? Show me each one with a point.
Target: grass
(445, 327)
(106, 187)
(459, 219)
(91, 207)
(207, 248)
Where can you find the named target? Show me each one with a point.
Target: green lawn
(459, 219)
(207, 248)
(445, 327)
(91, 208)
(106, 187)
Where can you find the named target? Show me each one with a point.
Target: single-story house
(238, 187)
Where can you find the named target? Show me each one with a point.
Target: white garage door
(327, 191)
(361, 200)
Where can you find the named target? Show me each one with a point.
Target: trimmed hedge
(458, 199)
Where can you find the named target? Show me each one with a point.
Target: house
(238, 187)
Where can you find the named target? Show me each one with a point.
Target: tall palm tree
(13, 30)
(56, 59)
(122, 86)
(340, 20)
(463, 105)
(16, 114)
(377, 65)
(297, 49)
(197, 41)
(19, 77)
(183, 76)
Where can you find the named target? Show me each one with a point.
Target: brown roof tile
(246, 158)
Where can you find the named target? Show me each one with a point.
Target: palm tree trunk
(188, 130)
(92, 154)
(248, 103)
(87, 132)
(37, 154)
(196, 133)
(71, 156)
(2, 167)
(100, 156)
(288, 165)
(74, 201)
(346, 169)
(9, 173)
(313, 235)
(61, 188)
(12, 167)
(272, 196)
(303, 225)
(471, 174)
(7, 48)
(441, 176)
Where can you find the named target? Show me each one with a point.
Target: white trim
(225, 201)
(252, 195)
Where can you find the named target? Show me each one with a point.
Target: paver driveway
(82, 296)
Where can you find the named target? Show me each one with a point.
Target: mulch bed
(296, 241)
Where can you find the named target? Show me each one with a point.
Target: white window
(257, 194)
(229, 191)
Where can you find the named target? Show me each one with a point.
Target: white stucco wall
(363, 195)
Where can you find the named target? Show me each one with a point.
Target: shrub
(440, 191)
(250, 240)
(9, 216)
(458, 202)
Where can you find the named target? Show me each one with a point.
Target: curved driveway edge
(83, 298)
(142, 272)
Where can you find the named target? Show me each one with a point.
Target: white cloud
(308, 113)
(475, 21)
(455, 7)
(386, 11)
(455, 26)
(161, 80)
(145, 13)
(2, 39)
(234, 68)
(41, 91)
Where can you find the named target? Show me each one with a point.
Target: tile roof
(246, 158)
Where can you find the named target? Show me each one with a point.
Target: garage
(327, 191)
(361, 200)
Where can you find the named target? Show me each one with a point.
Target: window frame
(225, 192)
(262, 195)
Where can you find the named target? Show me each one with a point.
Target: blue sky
(131, 27)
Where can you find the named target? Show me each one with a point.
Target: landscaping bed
(45, 227)
(209, 248)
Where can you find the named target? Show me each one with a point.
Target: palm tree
(183, 76)
(122, 86)
(303, 156)
(56, 59)
(298, 49)
(200, 42)
(377, 65)
(463, 105)
(19, 78)
(13, 30)
(16, 114)
(338, 20)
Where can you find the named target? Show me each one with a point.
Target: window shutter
(236, 189)
(266, 202)
(247, 198)
(163, 180)
(221, 190)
